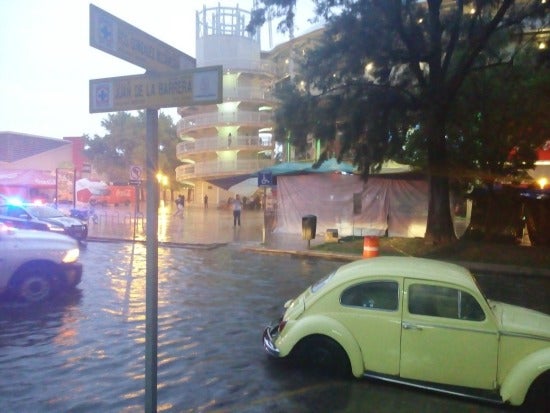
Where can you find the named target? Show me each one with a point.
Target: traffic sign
(135, 173)
(118, 38)
(183, 88)
(265, 179)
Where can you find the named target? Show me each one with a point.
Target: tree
(399, 66)
(124, 145)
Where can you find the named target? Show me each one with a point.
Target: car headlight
(71, 255)
(56, 228)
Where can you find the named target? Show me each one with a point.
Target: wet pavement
(198, 227)
(84, 351)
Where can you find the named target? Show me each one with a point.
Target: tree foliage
(399, 79)
(124, 145)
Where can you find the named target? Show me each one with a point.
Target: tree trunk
(439, 228)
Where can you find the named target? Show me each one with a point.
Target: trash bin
(309, 227)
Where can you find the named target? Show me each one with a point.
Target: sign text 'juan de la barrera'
(189, 87)
(171, 79)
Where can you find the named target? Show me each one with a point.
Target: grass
(474, 251)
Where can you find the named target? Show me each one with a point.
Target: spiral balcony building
(232, 138)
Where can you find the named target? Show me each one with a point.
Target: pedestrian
(206, 201)
(180, 202)
(229, 140)
(237, 206)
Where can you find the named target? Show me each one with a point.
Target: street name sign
(170, 80)
(164, 90)
(118, 38)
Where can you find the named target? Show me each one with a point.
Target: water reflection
(28, 324)
(85, 351)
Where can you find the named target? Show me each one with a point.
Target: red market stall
(28, 184)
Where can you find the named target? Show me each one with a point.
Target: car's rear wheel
(322, 354)
(34, 286)
(537, 397)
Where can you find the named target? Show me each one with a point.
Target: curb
(167, 244)
(472, 266)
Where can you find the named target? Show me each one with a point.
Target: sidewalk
(199, 226)
(212, 227)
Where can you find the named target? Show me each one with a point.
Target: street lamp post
(163, 183)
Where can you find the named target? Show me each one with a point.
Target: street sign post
(171, 80)
(118, 38)
(265, 179)
(171, 89)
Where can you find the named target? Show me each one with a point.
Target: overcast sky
(47, 61)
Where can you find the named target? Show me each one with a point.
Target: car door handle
(409, 326)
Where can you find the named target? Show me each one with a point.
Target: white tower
(234, 137)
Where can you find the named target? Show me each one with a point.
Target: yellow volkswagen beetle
(419, 322)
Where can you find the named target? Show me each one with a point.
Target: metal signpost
(171, 80)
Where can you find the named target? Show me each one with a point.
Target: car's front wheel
(322, 354)
(34, 286)
(537, 398)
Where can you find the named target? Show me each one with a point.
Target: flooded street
(84, 352)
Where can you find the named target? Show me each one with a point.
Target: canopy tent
(541, 171)
(293, 168)
(247, 184)
(543, 153)
(27, 183)
(227, 182)
(392, 203)
(27, 177)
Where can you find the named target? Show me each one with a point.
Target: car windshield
(44, 212)
(322, 282)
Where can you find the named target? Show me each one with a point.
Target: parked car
(35, 264)
(419, 322)
(44, 218)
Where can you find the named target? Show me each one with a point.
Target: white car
(36, 264)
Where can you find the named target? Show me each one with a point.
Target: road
(85, 351)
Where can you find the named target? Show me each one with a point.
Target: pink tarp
(398, 204)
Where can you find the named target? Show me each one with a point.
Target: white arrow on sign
(118, 38)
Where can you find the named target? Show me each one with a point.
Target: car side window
(380, 295)
(16, 212)
(437, 301)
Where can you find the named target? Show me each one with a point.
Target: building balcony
(216, 143)
(248, 93)
(242, 118)
(242, 65)
(211, 169)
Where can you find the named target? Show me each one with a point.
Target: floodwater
(84, 352)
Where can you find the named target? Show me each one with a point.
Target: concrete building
(32, 165)
(231, 138)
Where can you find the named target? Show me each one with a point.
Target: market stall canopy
(295, 168)
(543, 153)
(246, 182)
(27, 177)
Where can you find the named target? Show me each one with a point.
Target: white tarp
(396, 204)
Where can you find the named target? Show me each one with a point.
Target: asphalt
(207, 228)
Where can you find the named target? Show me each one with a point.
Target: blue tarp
(286, 168)
(296, 168)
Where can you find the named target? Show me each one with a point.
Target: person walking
(206, 201)
(180, 202)
(237, 206)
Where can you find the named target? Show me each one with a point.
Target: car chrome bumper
(269, 337)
